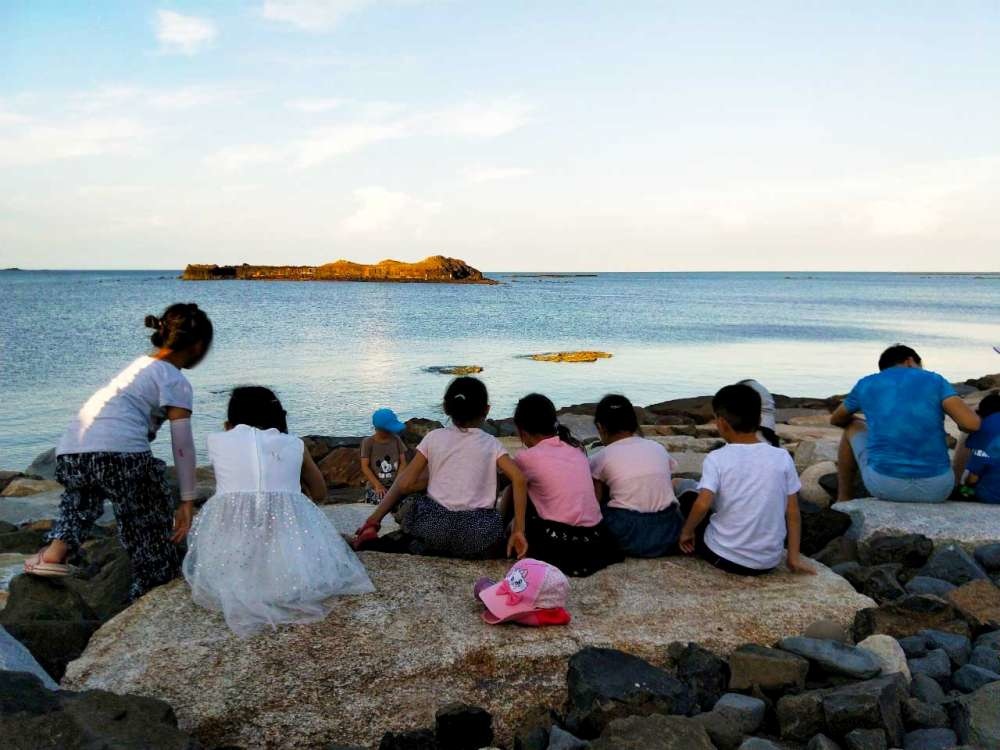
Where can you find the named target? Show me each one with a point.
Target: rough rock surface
(362, 658)
(967, 524)
(25, 487)
(436, 268)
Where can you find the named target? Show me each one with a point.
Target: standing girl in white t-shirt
(632, 475)
(457, 517)
(105, 455)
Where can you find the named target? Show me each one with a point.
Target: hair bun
(152, 322)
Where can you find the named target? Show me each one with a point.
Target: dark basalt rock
(926, 689)
(656, 732)
(930, 586)
(770, 670)
(878, 582)
(975, 717)
(930, 739)
(920, 715)
(418, 739)
(908, 616)
(865, 739)
(705, 674)
(988, 556)
(958, 647)
(935, 665)
(873, 704)
(461, 727)
(34, 718)
(820, 526)
(604, 685)
(969, 678)
(908, 550)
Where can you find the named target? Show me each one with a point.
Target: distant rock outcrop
(436, 269)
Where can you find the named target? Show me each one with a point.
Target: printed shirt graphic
(383, 458)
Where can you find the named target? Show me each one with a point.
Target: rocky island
(436, 269)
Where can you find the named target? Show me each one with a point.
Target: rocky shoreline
(435, 269)
(895, 644)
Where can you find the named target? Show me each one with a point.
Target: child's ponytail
(181, 326)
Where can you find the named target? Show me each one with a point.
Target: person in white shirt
(458, 516)
(632, 478)
(105, 455)
(751, 488)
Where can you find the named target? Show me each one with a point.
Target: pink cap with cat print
(530, 585)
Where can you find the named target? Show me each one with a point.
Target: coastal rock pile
(389, 660)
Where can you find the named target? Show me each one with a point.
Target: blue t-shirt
(902, 405)
(985, 459)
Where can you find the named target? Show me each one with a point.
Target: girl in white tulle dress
(259, 550)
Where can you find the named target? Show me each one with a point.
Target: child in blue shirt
(982, 479)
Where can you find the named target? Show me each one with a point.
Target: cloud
(232, 158)
(314, 105)
(183, 35)
(493, 174)
(312, 15)
(104, 98)
(34, 142)
(381, 209)
(480, 119)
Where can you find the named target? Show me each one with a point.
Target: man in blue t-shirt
(901, 446)
(983, 469)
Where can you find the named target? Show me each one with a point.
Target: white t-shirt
(463, 467)
(637, 472)
(751, 484)
(125, 415)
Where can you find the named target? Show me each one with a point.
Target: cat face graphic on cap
(517, 580)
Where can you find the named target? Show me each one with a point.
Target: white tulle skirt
(267, 559)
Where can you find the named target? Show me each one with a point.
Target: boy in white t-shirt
(751, 488)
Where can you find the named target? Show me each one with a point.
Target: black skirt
(578, 551)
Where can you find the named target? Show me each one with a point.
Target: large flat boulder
(388, 660)
(966, 524)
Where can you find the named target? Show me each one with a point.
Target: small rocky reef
(435, 269)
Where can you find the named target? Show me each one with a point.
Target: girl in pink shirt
(564, 525)
(447, 495)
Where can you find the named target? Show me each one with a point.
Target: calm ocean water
(336, 351)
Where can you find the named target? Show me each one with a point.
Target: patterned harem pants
(136, 485)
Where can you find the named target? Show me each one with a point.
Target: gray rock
(801, 716)
(930, 739)
(986, 658)
(654, 732)
(723, 732)
(745, 711)
(953, 564)
(834, 657)
(16, 658)
(604, 685)
(759, 743)
(967, 523)
(865, 739)
(914, 646)
(926, 689)
(769, 669)
(976, 718)
(988, 555)
(822, 742)
(840, 550)
(560, 739)
(970, 678)
(44, 465)
(990, 640)
(936, 665)
(927, 585)
(920, 715)
(827, 630)
(958, 647)
(874, 704)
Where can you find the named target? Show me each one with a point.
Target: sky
(517, 135)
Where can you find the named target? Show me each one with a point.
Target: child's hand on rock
(518, 544)
(797, 565)
(687, 542)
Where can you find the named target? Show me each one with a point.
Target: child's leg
(81, 505)
(138, 489)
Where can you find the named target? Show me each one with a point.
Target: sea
(335, 351)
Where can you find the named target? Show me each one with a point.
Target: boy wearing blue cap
(383, 455)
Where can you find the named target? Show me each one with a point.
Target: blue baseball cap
(385, 419)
